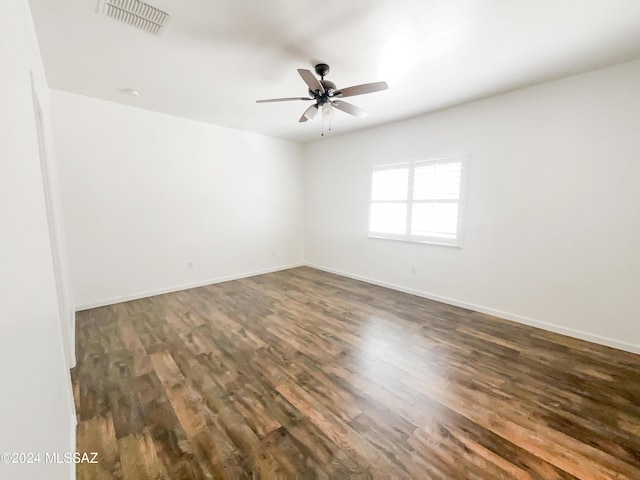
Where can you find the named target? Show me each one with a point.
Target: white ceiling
(216, 57)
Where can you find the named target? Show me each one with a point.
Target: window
(419, 201)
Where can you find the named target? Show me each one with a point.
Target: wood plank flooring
(304, 374)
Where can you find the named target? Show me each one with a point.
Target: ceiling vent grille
(135, 13)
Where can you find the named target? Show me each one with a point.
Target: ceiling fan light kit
(326, 95)
(309, 114)
(327, 112)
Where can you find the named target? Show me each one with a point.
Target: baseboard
(177, 288)
(589, 337)
(582, 335)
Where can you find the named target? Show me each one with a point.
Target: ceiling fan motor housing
(329, 89)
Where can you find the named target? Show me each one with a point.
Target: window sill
(426, 241)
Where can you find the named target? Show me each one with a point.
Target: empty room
(289, 239)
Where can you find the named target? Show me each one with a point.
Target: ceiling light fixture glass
(311, 112)
(327, 114)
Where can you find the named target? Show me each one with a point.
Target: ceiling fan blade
(269, 100)
(309, 114)
(348, 108)
(361, 89)
(310, 79)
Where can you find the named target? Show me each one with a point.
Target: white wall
(36, 406)
(146, 193)
(553, 215)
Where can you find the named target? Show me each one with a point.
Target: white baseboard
(177, 288)
(589, 337)
(582, 335)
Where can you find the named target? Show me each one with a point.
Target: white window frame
(463, 159)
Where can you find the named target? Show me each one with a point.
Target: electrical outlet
(273, 253)
(190, 265)
(413, 269)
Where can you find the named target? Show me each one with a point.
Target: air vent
(135, 13)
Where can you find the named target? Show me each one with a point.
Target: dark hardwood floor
(304, 374)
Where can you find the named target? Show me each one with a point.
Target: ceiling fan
(327, 96)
